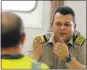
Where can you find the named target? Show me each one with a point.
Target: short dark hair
(64, 10)
(11, 37)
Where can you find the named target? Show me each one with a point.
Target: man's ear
(74, 27)
(22, 38)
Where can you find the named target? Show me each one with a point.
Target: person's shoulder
(80, 40)
(44, 66)
(39, 65)
(44, 36)
(27, 59)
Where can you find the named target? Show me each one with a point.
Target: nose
(62, 27)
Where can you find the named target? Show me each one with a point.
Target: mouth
(62, 34)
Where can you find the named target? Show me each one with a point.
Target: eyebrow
(67, 22)
(60, 22)
(57, 21)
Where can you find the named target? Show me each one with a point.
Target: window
(19, 5)
(32, 19)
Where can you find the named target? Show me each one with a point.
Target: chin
(65, 39)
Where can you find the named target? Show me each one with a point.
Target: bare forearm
(34, 57)
(74, 64)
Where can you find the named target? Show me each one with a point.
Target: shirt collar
(51, 39)
(70, 42)
(10, 56)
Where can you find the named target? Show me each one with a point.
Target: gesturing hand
(37, 48)
(61, 49)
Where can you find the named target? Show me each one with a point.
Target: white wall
(31, 33)
(80, 11)
(33, 18)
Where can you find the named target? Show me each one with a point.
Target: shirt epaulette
(45, 37)
(80, 40)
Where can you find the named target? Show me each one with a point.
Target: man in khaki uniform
(62, 47)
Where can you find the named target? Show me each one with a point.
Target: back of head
(65, 10)
(11, 29)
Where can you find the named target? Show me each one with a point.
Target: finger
(60, 39)
(60, 46)
(60, 49)
(37, 46)
(57, 47)
(57, 50)
(36, 41)
(56, 53)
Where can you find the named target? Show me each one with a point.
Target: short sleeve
(82, 54)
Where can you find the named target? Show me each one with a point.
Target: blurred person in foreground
(12, 39)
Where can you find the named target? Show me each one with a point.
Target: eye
(58, 24)
(67, 24)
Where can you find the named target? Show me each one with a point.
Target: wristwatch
(68, 59)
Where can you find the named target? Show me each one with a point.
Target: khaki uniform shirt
(76, 50)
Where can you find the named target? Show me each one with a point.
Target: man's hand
(37, 48)
(61, 50)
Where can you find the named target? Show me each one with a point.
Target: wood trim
(54, 4)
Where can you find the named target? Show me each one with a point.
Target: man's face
(63, 26)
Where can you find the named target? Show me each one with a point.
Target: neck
(11, 50)
(58, 40)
